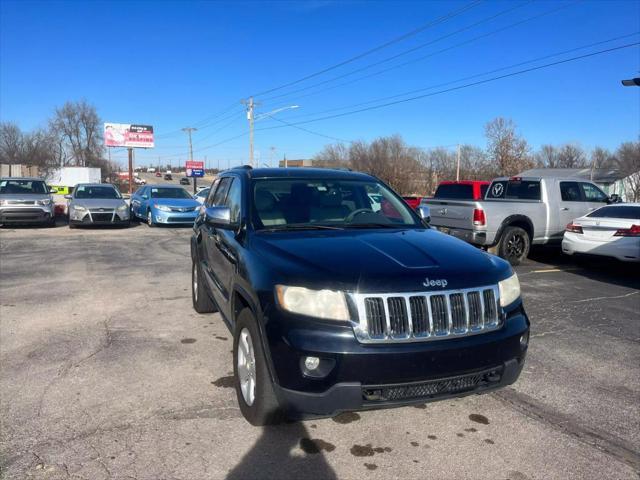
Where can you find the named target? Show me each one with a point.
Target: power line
(310, 131)
(204, 123)
(469, 77)
(424, 57)
(479, 82)
(402, 37)
(404, 52)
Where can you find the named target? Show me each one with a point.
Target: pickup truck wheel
(514, 245)
(202, 303)
(254, 389)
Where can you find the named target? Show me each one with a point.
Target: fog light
(311, 363)
(524, 339)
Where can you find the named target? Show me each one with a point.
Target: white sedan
(611, 231)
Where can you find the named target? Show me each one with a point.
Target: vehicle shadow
(271, 456)
(601, 269)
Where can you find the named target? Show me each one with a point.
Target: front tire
(514, 245)
(254, 388)
(150, 219)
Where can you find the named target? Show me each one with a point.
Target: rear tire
(202, 303)
(514, 245)
(251, 374)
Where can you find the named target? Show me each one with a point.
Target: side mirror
(425, 213)
(53, 190)
(614, 198)
(219, 217)
(146, 197)
(68, 197)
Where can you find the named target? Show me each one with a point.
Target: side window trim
(212, 192)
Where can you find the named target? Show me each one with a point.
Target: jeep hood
(378, 260)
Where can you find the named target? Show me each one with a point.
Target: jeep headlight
(78, 208)
(509, 290)
(163, 208)
(326, 304)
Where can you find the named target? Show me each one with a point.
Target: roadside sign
(195, 169)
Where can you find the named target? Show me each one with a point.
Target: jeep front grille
(418, 316)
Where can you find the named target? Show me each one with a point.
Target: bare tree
(79, 130)
(332, 156)
(508, 150)
(27, 148)
(571, 156)
(11, 143)
(602, 158)
(628, 162)
(547, 157)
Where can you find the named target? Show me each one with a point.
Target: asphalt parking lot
(107, 372)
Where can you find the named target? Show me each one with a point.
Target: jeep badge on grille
(441, 282)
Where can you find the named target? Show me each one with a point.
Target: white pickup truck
(517, 212)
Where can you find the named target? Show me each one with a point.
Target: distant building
(609, 179)
(307, 162)
(17, 170)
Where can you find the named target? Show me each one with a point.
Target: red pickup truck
(462, 190)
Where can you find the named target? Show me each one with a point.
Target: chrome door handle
(564, 209)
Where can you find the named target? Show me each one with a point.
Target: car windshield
(281, 204)
(22, 187)
(165, 192)
(96, 191)
(627, 212)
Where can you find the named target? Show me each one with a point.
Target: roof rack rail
(243, 167)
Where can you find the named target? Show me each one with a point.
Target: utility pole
(130, 150)
(250, 116)
(458, 166)
(189, 130)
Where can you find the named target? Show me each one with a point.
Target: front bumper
(99, 218)
(28, 214)
(174, 217)
(383, 375)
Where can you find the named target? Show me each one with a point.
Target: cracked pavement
(106, 372)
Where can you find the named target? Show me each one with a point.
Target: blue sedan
(164, 205)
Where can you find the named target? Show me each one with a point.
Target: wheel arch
(521, 221)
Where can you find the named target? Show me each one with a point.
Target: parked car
(139, 181)
(611, 231)
(335, 305)
(164, 205)
(97, 204)
(462, 189)
(168, 176)
(202, 194)
(517, 212)
(158, 174)
(26, 200)
(185, 181)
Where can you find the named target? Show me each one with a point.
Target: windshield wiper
(302, 226)
(376, 225)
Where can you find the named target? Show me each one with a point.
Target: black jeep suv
(340, 297)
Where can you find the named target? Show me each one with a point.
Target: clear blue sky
(175, 64)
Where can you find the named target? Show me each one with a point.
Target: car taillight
(634, 231)
(572, 227)
(478, 217)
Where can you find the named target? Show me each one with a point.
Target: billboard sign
(195, 169)
(128, 135)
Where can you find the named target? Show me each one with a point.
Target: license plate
(444, 230)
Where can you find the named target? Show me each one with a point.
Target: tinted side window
(515, 189)
(455, 191)
(593, 193)
(570, 192)
(221, 191)
(234, 199)
(212, 192)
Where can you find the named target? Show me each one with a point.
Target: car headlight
(509, 290)
(325, 304)
(44, 202)
(122, 207)
(78, 208)
(163, 208)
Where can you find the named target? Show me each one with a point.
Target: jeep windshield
(22, 187)
(298, 204)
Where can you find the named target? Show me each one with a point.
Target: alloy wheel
(246, 362)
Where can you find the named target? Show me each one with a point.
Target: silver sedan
(97, 204)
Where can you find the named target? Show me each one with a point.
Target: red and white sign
(194, 168)
(128, 135)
